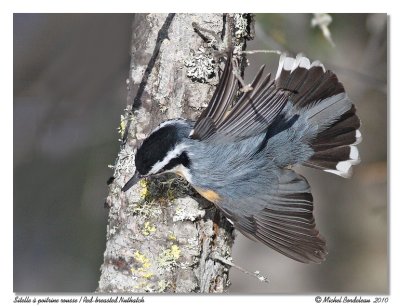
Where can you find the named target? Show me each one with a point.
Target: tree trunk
(161, 235)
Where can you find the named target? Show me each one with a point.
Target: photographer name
(345, 299)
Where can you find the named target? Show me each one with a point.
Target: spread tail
(327, 116)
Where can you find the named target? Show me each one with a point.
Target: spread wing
(281, 219)
(252, 113)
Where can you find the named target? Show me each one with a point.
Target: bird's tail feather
(331, 124)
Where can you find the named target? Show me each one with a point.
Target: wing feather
(283, 219)
(219, 103)
(251, 115)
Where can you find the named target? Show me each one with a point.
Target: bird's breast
(209, 194)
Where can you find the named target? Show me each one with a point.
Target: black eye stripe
(181, 159)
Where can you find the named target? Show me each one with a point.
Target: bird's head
(164, 150)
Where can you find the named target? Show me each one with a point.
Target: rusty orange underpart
(209, 194)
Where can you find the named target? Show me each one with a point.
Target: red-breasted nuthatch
(239, 155)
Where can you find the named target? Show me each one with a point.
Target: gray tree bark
(161, 235)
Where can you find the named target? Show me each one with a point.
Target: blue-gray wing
(223, 120)
(281, 218)
(219, 104)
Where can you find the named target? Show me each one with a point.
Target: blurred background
(69, 91)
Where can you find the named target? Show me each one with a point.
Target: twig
(255, 274)
(198, 29)
(260, 51)
(245, 88)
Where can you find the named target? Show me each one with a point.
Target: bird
(240, 152)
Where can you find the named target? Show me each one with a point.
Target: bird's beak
(133, 180)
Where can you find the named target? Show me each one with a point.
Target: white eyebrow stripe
(178, 150)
